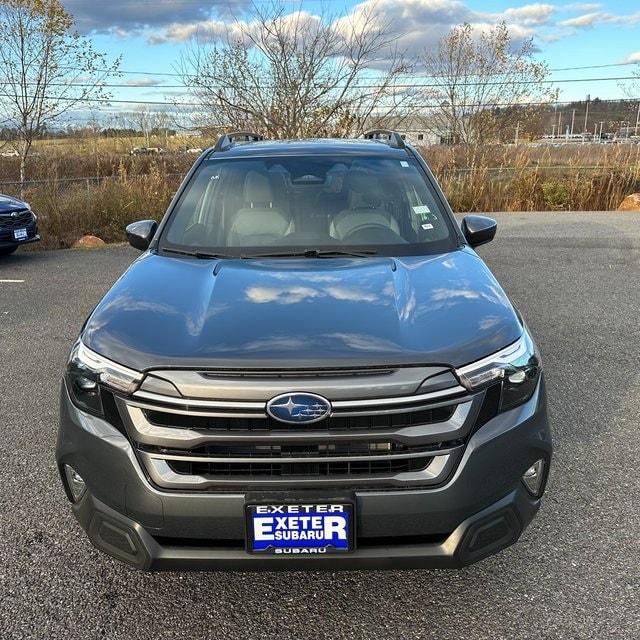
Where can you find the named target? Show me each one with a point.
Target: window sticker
(427, 226)
(423, 212)
(404, 163)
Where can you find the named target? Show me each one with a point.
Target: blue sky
(591, 47)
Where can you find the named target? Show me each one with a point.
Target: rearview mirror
(478, 230)
(140, 234)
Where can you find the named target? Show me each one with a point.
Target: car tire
(6, 251)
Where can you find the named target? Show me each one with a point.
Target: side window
(193, 220)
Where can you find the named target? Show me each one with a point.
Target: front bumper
(482, 508)
(7, 240)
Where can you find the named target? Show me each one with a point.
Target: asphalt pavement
(574, 574)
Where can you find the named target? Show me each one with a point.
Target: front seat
(365, 200)
(258, 222)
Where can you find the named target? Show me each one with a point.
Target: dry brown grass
(75, 196)
(543, 178)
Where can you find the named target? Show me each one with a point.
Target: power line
(585, 68)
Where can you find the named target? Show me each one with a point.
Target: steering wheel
(375, 228)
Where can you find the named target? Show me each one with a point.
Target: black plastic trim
(395, 139)
(225, 141)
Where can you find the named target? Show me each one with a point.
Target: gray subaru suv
(308, 367)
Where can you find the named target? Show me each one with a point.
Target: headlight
(88, 371)
(517, 368)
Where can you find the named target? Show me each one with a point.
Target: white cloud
(623, 20)
(583, 6)
(586, 21)
(531, 14)
(632, 58)
(182, 32)
(143, 82)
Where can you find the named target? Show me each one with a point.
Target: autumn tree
(296, 75)
(47, 69)
(473, 76)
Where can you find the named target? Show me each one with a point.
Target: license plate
(20, 234)
(294, 529)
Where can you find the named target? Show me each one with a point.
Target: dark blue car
(18, 224)
(309, 367)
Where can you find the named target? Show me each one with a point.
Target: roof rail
(394, 138)
(227, 139)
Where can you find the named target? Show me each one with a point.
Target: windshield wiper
(201, 255)
(312, 253)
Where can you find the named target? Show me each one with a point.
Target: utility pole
(573, 118)
(637, 120)
(586, 112)
(560, 124)
(555, 113)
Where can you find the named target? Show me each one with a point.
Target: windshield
(313, 206)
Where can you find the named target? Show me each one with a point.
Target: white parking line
(11, 281)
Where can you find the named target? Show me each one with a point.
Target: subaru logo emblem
(298, 408)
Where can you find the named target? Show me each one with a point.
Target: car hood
(9, 204)
(303, 312)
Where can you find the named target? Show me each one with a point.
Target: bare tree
(632, 89)
(474, 78)
(140, 120)
(291, 75)
(151, 123)
(46, 68)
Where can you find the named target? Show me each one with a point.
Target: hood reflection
(442, 309)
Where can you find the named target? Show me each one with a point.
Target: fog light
(77, 486)
(533, 478)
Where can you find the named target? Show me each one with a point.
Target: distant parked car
(10, 154)
(145, 150)
(18, 224)
(194, 150)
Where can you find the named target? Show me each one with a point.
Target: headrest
(257, 189)
(364, 190)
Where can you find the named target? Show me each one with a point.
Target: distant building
(415, 130)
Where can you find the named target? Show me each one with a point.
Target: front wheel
(5, 251)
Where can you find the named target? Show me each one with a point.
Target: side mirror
(478, 230)
(140, 234)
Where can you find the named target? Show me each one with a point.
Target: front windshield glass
(328, 204)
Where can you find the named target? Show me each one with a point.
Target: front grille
(299, 470)
(334, 423)
(301, 461)
(322, 450)
(368, 442)
(17, 220)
